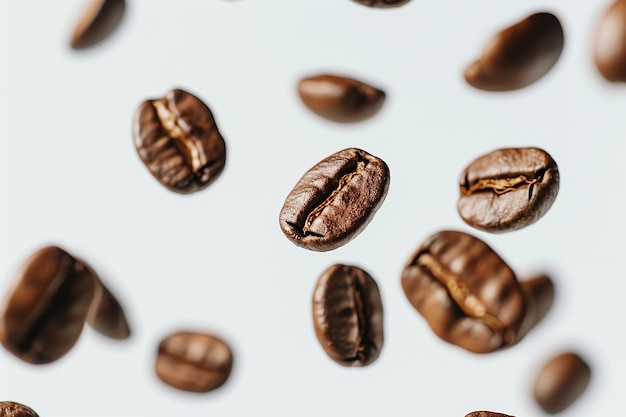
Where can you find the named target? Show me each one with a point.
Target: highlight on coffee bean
(98, 21)
(609, 44)
(12, 409)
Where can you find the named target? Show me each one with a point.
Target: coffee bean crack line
(502, 185)
(362, 324)
(193, 364)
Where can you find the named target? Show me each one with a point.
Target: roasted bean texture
(486, 414)
(11, 409)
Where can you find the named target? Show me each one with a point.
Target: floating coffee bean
(539, 295)
(519, 55)
(10, 409)
(98, 21)
(45, 309)
(106, 315)
(348, 315)
(340, 99)
(486, 414)
(468, 295)
(508, 189)
(610, 43)
(177, 139)
(561, 381)
(335, 200)
(382, 3)
(194, 362)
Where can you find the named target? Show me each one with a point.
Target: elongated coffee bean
(44, 311)
(106, 315)
(194, 362)
(348, 315)
(561, 381)
(335, 200)
(609, 45)
(11, 409)
(519, 55)
(178, 141)
(99, 19)
(486, 414)
(539, 294)
(468, 295)
(508, 189)
(382, 3)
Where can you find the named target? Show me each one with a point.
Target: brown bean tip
(97, 21)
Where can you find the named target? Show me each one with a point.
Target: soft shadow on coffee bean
(348, 315)
(177, 139)
(194, 362)
(486, 414)
(11, 409)
(468, 295)
(519, 55)
(508, 189)
(99, 19)
(340, 99)
(561, 381)
(609, 45)
(382, 3)
(539, 294)
(335, 200)
(45, 309)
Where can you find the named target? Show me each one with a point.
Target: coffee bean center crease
(502, 185)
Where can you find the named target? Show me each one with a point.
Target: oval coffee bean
(610, 43)
(486, 414)
(348, 315)
(508, 189)
(178, 141)
(539, 294)
(106, 315)
(99, 19)
(11, 409)
(561, 381)
(194, 362)
(45, 309)
(382, 3)
(335, 200)
(468, 295)
(519, 55)
(340, 99)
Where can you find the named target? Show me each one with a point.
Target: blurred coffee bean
(561, 381)
(106, 315)
(382, 4)
(609, 45)
(97, 21)
(11, 409)
(486, 414)
(539, 294)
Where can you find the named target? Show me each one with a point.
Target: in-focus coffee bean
(335, 200)
(508, 189)
(194, 362)
(539, 294)
(468, 295)
(11, 409)
(348, 315)
(106, 315)
(45, 309)
(561, 381)
(609, 46)
(340, 99)
(177, 139)
(519, 55)
(99, 19)
(382, 3)
(486, 414)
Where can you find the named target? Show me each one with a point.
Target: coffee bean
(177, 139)
(539, 295)
(46, 307)
(610, 43)
(106, 315)
(194, 362)
(335, 200)
(348, 315)
(468, 295)
(382, 3)
(99, 19)
(508, 189)
(561, 381)
(11, 409)
(340, 99)
(519, 55)
(486, 414)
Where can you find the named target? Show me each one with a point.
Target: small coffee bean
(348, 315)
(45, 309)
(11, 409)
(382, 3)
(468, 295)
(99, 19)
(340, 99)
(194, 362)
(486, 414)
(561, 381)
(335, 200)
(106, 315)
(610, 43)
(539, 295)
(177, 139)
(519, 55)
(508, 189)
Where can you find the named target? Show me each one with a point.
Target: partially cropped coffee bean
(468, 295)
(348, 315)
(11, 409)
(106, 315)
(335, 200)
(508, 189)
(99, 19)
(561, 381)
(45, 309)
(609, 47)
(519, 55)
(539, 294)
(382, 3)
(178, 141)
(194, 362)
(340, 99)
(486, 414)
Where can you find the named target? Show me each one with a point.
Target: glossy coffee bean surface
(11, 409)
(609, 45)
(561, 381)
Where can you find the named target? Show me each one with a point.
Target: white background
(217, 261)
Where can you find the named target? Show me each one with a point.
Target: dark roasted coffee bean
(106, 315)
(340, 99)
(486, 414)
(561, 381)
(382, 3)
(508, 189)
(45, 309)
(348, 315)
(519, 55)
(99, 19)
(468, 295)
(177, 139)
(335, 200)
(610, 43)
(539, 295)
(194, 362)
(11, 409)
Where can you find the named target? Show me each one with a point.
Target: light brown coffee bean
(11, 409)
(99, 19)
(609, 46)
(106, 315)
(561, 381)
(539, 294)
